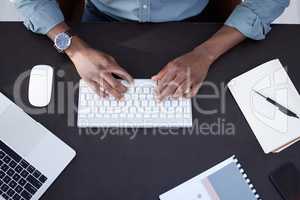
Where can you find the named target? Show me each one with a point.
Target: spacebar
(10, 152)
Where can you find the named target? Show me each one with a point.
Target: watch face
(62, 41)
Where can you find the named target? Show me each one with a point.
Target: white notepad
(274, 130)
(225, 181)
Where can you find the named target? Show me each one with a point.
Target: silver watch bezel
(65, 35)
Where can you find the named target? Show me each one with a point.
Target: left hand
(183, 76)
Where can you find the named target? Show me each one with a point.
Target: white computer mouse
(40, 85)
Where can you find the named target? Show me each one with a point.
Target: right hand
(97, 69)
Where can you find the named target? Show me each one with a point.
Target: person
(181, 77)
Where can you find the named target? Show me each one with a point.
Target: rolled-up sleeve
(253, 18)
(39, 16)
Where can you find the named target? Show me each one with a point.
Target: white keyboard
(139, 108)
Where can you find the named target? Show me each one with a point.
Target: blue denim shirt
(252, 17)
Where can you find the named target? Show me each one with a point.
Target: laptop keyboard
(18, 179)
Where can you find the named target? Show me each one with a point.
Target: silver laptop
(31, 157)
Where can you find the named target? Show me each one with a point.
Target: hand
(97, 69)
(183, 76)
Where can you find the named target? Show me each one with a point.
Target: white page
(272, 128)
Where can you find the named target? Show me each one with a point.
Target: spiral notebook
(225, 181)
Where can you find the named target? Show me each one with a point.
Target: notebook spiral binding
(251, 186)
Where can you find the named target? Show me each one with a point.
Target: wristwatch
(63, 41)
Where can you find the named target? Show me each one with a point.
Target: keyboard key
(10, 152)
(4, 167)
(145, 103)
(10, 192)
(4, 187)
(167, 103)
(2, 154)
(84, 110)
(163, 116)
(174, 103)
(186, 116)
(179, 109)
(2, 174)
(36, 174)
(179, 116)
(138, 89)
(6, 159)
(24, 164)
(10, 172)
(19, 169)
(12, 164)
(22, 182)
(43, 179)
(26, 195)
(187, 109)
(16, 197)
(16, 177)
(30, 188)
(18, 189)
(7, 179)
(139, 116)
(34, 181)
(24, 173)
(13, 184)
(30, 169)
(171, 110)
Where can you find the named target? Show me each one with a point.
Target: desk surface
(142, 168)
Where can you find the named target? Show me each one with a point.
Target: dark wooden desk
(142, 168)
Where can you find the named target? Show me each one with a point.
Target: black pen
(280, 107)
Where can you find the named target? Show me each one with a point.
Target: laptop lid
(18, 130)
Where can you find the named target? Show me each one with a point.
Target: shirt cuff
(44, 17)
(248, 22)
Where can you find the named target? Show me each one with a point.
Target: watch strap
(70, 33)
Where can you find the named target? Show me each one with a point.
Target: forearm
(222, 41)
